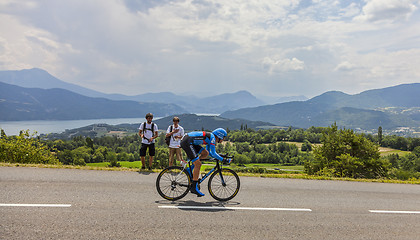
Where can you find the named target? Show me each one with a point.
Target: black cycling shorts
(144, 148)
(190, 149)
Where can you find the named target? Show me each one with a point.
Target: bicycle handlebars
(225, 157)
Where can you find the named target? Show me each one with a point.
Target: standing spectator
(148, 131)
(175, 132)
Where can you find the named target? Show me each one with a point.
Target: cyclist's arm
(211, 148)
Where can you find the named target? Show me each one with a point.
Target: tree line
(323, 151)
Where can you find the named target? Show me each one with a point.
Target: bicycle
(174, 183)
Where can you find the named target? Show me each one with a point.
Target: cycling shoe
(196, 190)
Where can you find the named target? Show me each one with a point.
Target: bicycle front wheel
(173, 183)
(224, 184)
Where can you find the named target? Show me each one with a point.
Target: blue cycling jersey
(208, 139)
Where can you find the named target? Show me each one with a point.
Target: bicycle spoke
(172, 183)
(225, 189)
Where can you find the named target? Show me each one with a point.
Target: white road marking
(33, 205)
(400, 212)
(238, 208)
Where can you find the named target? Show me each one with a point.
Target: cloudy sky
(269, 48)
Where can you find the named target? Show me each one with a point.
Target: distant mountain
(214, 104)
(404, 95)
(291, 99)
(18, 103)
(38, 78)
(362, 118)
(230, 101)
(367, 110)
(269, 100)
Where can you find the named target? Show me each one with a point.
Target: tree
(346, 154)
(82, 153)
(3, 134)
(306, 146)
(89, 143)
(380, 136)
(65, 157)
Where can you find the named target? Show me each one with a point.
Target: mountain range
(34, 94)
(18, 103)
(391, 107)
(38, 78)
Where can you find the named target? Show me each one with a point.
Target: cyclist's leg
(186, 145)
(197, 164)
(196, 173)
(193, 152)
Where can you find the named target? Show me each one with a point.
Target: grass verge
(262, 175)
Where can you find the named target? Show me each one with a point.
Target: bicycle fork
(222, 179)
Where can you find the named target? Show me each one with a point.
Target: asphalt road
(125, 205)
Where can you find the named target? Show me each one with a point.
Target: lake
(44, 126)
(59, 126)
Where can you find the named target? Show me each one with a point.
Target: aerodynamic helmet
(220, 133)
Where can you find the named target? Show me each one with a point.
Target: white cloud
(302, 47)
(25, 47)
(351, 10)
(282, 65)
(345, 66)
(387, 10)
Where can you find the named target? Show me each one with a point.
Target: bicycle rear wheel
(173, 183)
(224, 184)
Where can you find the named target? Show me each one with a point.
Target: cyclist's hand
(228, 160)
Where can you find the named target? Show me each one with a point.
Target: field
(388, 151)
(383, 150)
(125, 164)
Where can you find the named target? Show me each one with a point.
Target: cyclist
(191, 143)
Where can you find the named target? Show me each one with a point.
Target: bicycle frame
(223, 183)
(215, 168)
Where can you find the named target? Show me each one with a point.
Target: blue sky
(207, 47)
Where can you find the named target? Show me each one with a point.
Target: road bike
(174, 183)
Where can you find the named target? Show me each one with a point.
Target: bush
(114, 163)
(25, 149)
(346, 154)
(79, 162)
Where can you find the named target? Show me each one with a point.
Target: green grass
(388, 151)
(275, 166)
(97, 167)
(124, 164)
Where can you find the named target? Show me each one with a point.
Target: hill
(190, 122)
(212, 105)
(38, 78)
(18, 103)
(366, 110)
